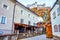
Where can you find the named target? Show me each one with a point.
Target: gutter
(54, 5)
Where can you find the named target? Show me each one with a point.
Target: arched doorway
(47, 28)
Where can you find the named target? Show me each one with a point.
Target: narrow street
(40, 37)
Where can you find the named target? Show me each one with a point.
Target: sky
(49, 3)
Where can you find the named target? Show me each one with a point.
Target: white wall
(55, 21)
(8, 13)
(24, 16)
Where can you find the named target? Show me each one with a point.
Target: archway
(47, 26)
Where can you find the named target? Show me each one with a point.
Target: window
(54, 15)
(21, 12)
(58, 10)
(55, 28)
(22, 21)
(47, 9)
(44, 17)
(3, 20)
(0, 20)
(33, 23)
(5, 6)
(59, 28)
(29, 15)
(28, 22)
(33, 17)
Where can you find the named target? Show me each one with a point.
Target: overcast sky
(47, 2)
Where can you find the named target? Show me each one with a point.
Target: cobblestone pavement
(41, 37)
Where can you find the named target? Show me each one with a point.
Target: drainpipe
(13, 17)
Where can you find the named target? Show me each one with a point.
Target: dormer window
(4, 6)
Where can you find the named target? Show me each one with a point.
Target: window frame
(29, 22)
(21, 11)
(58, 11)
(3, 20)
(54, 15)
(21, 21)
(6, 5)
(29, 15)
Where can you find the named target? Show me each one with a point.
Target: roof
(13, 1)
(26, 8)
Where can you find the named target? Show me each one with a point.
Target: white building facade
(10, 14)
(55, 20)
(24, 16)
(6, 16)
